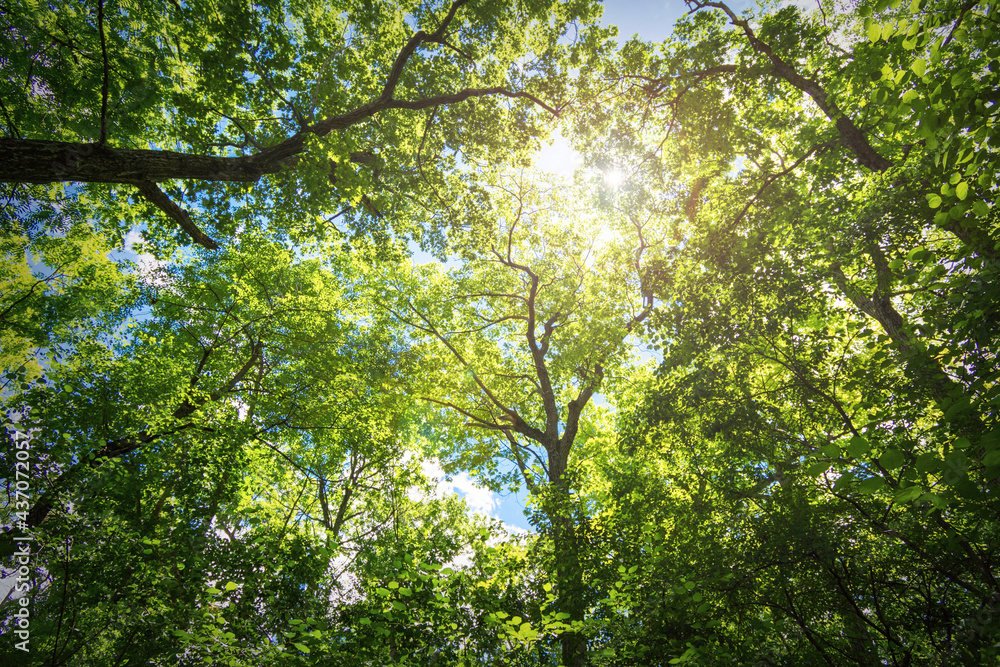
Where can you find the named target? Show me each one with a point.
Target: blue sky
(653, 20)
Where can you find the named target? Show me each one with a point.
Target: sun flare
(614, 178)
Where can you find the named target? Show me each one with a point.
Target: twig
(851, 136)
(961, 15)
(818, 148)
(10, 120)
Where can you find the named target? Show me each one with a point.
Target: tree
(48, 309)
(241, 432)
(227, 453)
(345, 110)
(523, 335)
(815, 316)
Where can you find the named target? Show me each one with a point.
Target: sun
(614, 178)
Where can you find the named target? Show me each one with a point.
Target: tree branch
(9, 119)
(961, 15)
(159, 198)
(516, 450)
(129, 444)
(771, 178)
(851, 137)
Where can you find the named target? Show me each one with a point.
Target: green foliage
(226, 448)
(340, 121)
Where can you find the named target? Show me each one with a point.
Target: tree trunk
(34, 161)
(568, 569)
(569, 583)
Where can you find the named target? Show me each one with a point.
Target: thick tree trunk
(34, 161)
(568, 569)
(570, 586)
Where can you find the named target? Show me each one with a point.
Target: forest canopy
(275, 271)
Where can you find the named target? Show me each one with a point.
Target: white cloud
(149, 266)
(480, 499)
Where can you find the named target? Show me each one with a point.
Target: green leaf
(962, 190)
(934, 499)
(302, 647)
(871, 485)
(934, 201)
(928, 462)
(919, 66)
(858, 446)
(891, 459)
(817, 469)
(832, 450)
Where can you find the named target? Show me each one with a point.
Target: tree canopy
(269, 266)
